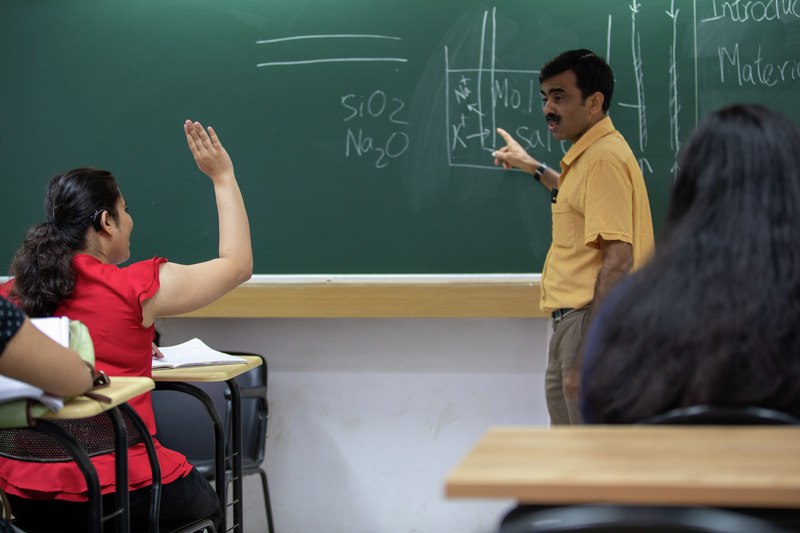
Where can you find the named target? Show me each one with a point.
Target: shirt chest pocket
(564, 231)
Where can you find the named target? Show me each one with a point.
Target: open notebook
(57, 328)
(193, 353)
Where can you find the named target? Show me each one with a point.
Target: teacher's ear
(595, 102)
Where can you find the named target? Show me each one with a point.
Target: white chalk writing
(374, 111)
(329, 59)
(749, 11)
(753, 69)
(481, 96)
(674, 105)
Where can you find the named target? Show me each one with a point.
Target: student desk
(119, 390)
(180, 379)
(722, 466)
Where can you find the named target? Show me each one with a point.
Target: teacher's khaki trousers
(564, 345)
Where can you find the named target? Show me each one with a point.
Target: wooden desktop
(724, 466)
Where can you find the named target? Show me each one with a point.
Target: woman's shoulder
(85, 261)
(146, 266)
(89, 267)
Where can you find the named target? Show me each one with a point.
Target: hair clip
(96, 222)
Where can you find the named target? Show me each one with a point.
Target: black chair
(7, 527)
(255, 414)
(185, 428)
(50, 441)
(60, 440)
(638, 519)
(723, 416)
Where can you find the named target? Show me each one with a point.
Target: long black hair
(714, 318)
(42, 267)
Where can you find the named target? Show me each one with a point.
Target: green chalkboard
(361, 130)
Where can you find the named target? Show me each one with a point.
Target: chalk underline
(332, 60)
(335, 36)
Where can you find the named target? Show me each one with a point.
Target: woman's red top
(108, 299)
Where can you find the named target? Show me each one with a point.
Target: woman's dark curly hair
(42, 267)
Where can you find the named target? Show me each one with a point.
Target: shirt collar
(601, 129)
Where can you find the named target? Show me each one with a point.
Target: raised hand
(208, 152)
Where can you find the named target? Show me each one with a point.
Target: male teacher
(602, 227)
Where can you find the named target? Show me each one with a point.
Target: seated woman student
(68, 267)
(27, 354)
(713, 318)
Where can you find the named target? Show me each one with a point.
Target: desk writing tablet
(207, 373)
(654, 465)
(120, 390)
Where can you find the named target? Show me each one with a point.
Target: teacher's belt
(559, 314)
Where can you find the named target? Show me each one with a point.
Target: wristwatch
(540, 171)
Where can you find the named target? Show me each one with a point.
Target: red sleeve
(6, 287)
(143, 281)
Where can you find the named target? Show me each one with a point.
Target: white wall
(368, 416)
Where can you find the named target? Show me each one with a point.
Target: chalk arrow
(474, 109)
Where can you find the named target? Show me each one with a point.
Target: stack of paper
(57, 328)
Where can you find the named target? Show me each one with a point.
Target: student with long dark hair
(713, 318)
(67, 266)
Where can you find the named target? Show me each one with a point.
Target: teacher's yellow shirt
(601, 193)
